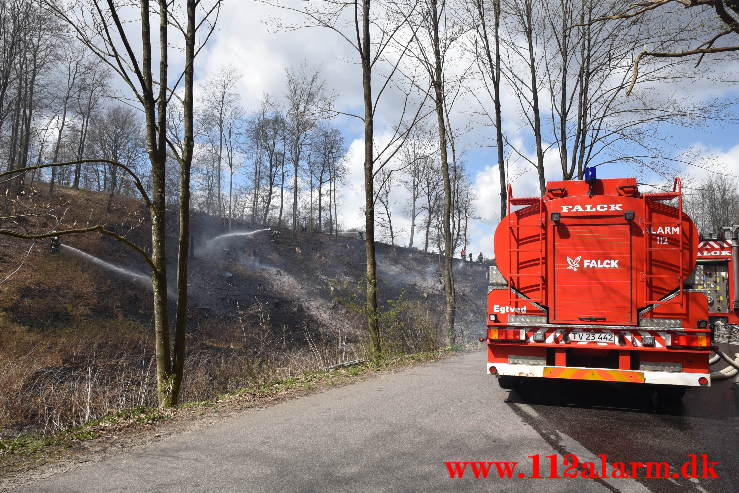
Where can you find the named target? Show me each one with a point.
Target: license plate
(591, 336)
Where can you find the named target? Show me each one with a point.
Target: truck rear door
(592, 278)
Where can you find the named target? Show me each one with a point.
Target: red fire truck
(717, 275)
(590, 284)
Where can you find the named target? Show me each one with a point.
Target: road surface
(394, 432)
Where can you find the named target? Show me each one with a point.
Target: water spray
(216, 239)
(136, 276)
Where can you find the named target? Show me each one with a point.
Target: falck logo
(574, 264)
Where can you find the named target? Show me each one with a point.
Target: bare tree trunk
(82, 142)
(282, 192)
(310, 196)
(230, 185)
(373, 325)
(271, 183)
(414, 196)
(219, 200)
(494, 69)
(534, 94)
(30, 106)
(330, 203)
(428, 224)
(178, 362)
(15, 128)
(71, 79)
(437, 81)
(336, 211)
(498, 113)
(320, 199)
(155, 111)
(257, 179)
(296, 165)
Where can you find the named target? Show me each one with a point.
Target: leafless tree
(374, 30)
(29, 40)
(431, 191)
(100, 27)
(220, 118)
(525, 16)
(328, 151)
(584, 67)
(487, 50)
(70, 77)
(382, 197)
(721, 17)
(92, 87)
(435, 36)
(415, 158)
(714, 203)
(266, 137)
(307, 102)
(116, 136)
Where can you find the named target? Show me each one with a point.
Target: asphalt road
(395, 431)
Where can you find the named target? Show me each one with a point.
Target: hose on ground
(728, 372)
(727, 358)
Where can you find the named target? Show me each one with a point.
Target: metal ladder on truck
(675, 297)
(515, 231)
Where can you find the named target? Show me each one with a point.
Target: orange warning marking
(594, 374)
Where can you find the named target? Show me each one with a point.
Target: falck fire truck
(592, 282)
(717, 275)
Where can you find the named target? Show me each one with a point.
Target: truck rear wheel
(508, 382)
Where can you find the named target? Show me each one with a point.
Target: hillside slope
(259, 302)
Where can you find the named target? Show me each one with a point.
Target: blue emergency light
(590, 174)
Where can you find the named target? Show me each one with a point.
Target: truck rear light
(493, 370)
(684, 340)
(703, 381)
(507, 334)
(482, 339)
(493, 317)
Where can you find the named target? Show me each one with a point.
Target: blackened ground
(309, 278)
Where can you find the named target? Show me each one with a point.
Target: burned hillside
(262, 302)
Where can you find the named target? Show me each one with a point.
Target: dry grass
(54, 382)
(76, 346)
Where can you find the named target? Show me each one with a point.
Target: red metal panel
(624, 360)
(670, 250)
(592, 278)
(691, 361)
(560, 357)
(499, 353)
